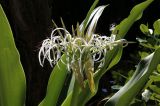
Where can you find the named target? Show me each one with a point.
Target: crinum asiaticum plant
(78, 51)
(83, 48)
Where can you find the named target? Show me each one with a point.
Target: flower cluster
(83, 48)
(75, 47)
(81, 52)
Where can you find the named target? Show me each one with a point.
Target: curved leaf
(88, 18)
(12, 77)
(126, 24)
(144, 29)
(126, 94)
(55, 84)
(156, 26)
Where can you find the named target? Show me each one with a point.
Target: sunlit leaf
(144, 29)
(156, 26)
(55, 84)
(126, 24)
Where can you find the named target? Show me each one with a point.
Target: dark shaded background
(31, 23)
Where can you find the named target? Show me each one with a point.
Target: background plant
(148, 44)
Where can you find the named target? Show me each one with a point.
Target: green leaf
(67, 101)
(147, 45)
(126, 24)
(71, 86)
(144, 29)
(94, 19)
(87, 19)
(155, 97)
(143, 54)
(75, 94)
(55, 84)
(148, 84)
(155, 89)
(139, 103)
(156, 26)
(158, 68)
(126, 94)
(12, 77)
(155, 78)
(111, 59)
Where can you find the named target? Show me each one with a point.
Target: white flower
(146, 95)
(150, 31)
(52, 48)
(112, 27)
(84, 42)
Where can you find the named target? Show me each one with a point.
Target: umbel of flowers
(83, 48)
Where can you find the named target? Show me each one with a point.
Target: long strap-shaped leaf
(125, 95)
(88, 17)
(12, 78)
(135, 14)
(113, 56)
(55, 84)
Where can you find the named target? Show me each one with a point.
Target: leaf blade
(12, 77)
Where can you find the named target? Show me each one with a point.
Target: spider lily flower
(82, 50)
(97, 46)
(81, 53)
